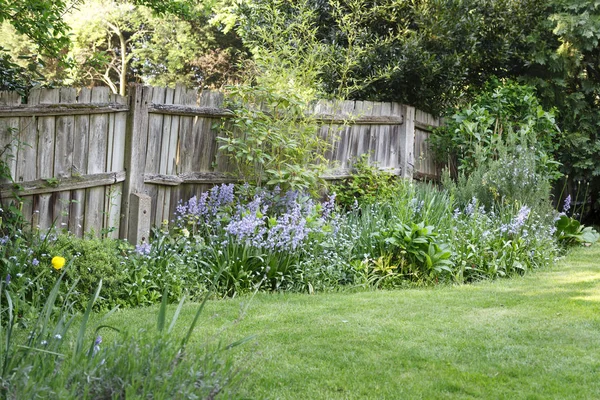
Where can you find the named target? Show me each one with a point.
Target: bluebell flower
(143, 249)
(470, 209)
(567, 205)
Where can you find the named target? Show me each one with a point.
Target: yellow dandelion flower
(58, 262)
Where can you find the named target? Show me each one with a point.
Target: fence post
(135, 204)
(407, 142)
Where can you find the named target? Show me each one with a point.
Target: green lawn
(535, 337)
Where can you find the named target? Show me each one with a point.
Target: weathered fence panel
(95, 161)
(66, 156)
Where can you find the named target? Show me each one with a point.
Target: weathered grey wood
(97, 146)
(360, 120)
(186, 110)
(115, 162)
(136, 140)
(212, 112)
(63, 158)
(164, 161)
(75, 182)
(342, 173)
(9, 134)
(27, 155)
(153, 153)
(208, 153)
(407, 139)
(139, 218)
(45, 158)
(185, 147)
(49, 109)
(171, 155)
(189, 177)
(79, 167)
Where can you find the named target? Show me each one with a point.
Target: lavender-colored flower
(35, 262)
(4, 239)
(567, 205)
(143, 249)
(328, 207)
(290, 231)
(517, 222)
(521, 217)
(7, 279)
(97, 345)
(248, 226)
(470, 209)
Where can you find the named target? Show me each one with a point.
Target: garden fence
(89, 160)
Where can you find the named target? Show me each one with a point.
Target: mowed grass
(531, 337)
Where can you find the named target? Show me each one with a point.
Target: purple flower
(567, 205)
(517, 222)
(4, 239)
(7, 279)
(328, 206)
(470, 209)
(143, 249)
(97, 345)
(35, 262)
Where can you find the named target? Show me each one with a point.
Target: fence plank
(185, 148)
(136, 144)
(163, 162)
(27, 156)
(44, 203)
(63, 158)
(79, 167)
(9, 134)
(97, 145)
(116, 162)
(53, 110)
(155, 133)
(169, 157)
(209, 153)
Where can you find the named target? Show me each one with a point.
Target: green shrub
(93, 259)
(367, 185)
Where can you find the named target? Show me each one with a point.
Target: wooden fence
(90, 160)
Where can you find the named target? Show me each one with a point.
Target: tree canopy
(433, 54)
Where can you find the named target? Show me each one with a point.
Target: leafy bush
(367, 184)
(506, 115)
(272, 139)
(93, 259)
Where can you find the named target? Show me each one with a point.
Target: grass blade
(162, 311)
(84, 321)
(176, 315)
